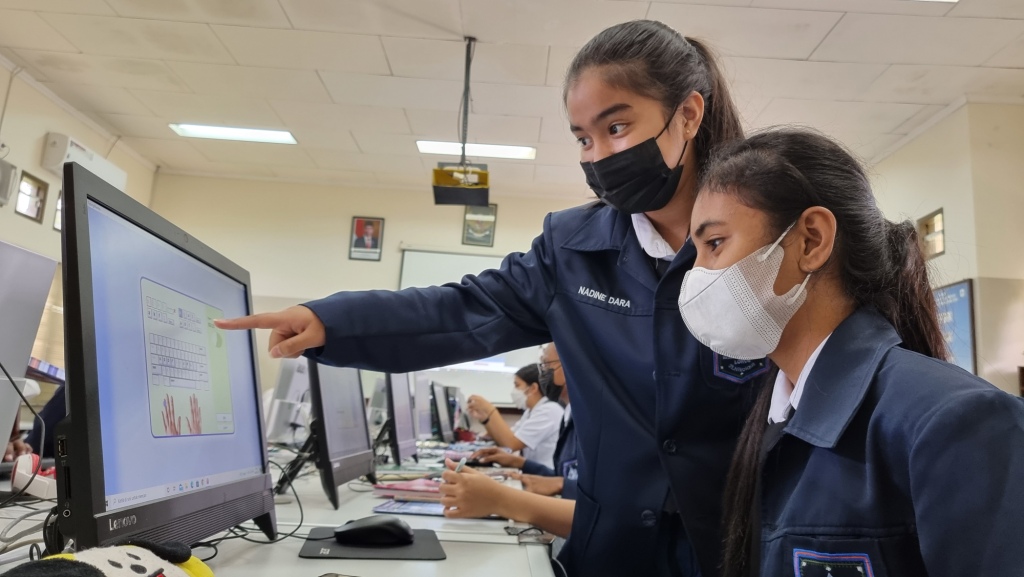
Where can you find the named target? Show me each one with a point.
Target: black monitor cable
(42, 427)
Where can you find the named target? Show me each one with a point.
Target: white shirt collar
(786, 394)
(529, 410)
(652, 242)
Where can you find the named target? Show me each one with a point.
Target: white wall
(30, 115)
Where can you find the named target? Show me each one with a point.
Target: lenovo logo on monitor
(122, 523)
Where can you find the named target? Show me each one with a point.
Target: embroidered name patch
(739, 370)
(813, 564)
(600, 296)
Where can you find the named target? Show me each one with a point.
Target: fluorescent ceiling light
(472, 149)
(230, 133)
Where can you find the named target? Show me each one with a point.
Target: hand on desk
(469, 494)
(547, 486)
(15, 449)
(480, 408)
(293, 330)
(500, 456)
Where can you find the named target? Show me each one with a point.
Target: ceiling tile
(110, 36)
(419, 19)
(572, 175)
(242, 81)
(833, 117)
(324, 176)
(559, 58)
(943, 84)
(870, 150)
(708, 2)
(341, 117)
(209, 109)
(304, 49)
(378, 163)
(104, 71)
(917, 40)
(516, 100)
(139, 126)
(224, 170)
(256, 13)
(405, 180)
(800, 78)
(988, 9)
(367, 90)
(541, 22)
(21, 29)
(926, 113)
(441, 125)
(99, 98)
(174, 153)
(20, 62)
(253, 152)
(749, 104)
(382, 143)
(555, 130)
(324, 137)
(867, 6)
(446, 60)
(1010, 57)
(558, 154)
(756, 32)
(66, 6)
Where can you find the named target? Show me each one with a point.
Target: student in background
(535, 434)
(16, 447)
(869, 455)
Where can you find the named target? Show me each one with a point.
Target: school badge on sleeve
(813, 564)
(739, 370)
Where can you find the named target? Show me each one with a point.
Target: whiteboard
(491, 378)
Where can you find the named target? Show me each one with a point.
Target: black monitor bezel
(399, 451)
(417, 381)
(80, 468)
(444, 422)
(336, 472)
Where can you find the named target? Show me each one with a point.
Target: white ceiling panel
(419, 19)
(65, 6)
(324, 137)
(554, 154)
(342, 117)
(943, 84)
(174, 153)
(224, 169)
(912, 7)
(420, 181)
(492, 63)
(755, 32)
(706, 2)
(516, 100)
(367, 90)
(381, 143)
(917, 40)
(555, 130)
(571, 175)
(838, 117)
(543, 22)
(21, 29)
(209, 109)
(559, 59)
(246, 82)
(99, 98)
(304, 49)
(139, 126)
(918, 119)
(256, 13)
(801, 78)
(378, 163)
(1010, 57)
(104, 71)
(125, 37)
(253, 153)
(441, 125)
(346, 177)
(869, 150)
(988, 9)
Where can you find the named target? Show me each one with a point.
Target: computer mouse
(378, 530)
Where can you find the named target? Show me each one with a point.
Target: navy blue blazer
(894, 464)
(653, 408)
(565, 462)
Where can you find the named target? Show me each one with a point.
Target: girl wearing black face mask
(657, 414)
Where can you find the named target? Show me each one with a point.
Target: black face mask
(548, 388)
(636, 179)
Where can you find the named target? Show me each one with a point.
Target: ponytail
(721, 119)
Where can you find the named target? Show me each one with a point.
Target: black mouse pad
(321, 545)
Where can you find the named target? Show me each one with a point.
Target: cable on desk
(4, 534)
(302, 517)
(42, 426)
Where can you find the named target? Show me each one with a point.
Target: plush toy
(135, 559)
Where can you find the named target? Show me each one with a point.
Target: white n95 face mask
(734, 311)
(519, 398)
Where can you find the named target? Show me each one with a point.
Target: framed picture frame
(366, 238)
(478, 225)
(955, 306)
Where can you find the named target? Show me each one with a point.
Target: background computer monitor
(289, 411)
(443, 413)
(421, 404)
(402, 434)
(344, 451)
(163, 439)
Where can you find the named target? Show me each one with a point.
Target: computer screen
(164, 418)
(441, 410)
(344, 448)
(288, 415)
(421, 404)
(403, 435)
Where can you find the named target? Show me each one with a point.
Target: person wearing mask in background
(870, 455)
(536, 477)
(656, 413)
(535, 434)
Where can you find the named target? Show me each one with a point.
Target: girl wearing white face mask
(535, 434)
(869, 455)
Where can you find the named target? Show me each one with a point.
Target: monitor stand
(307, 454)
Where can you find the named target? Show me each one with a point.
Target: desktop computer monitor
(421, 404)
(401, 431)
(163, 440)
(442, 413)
(289, 412)
(343, 448)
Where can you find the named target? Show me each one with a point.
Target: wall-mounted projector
(461, 184)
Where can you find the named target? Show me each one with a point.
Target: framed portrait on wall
(367, 238)
(478, 225)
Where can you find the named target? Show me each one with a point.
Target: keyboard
(176, 363)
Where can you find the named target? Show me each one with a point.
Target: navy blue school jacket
(894, 464)
(566, 465)
(653, 408)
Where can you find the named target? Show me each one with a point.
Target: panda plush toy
(134, 559)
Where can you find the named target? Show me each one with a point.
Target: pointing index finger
(260, 321)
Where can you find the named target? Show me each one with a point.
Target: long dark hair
(530, 375)
(782, 172)
(653, 60)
